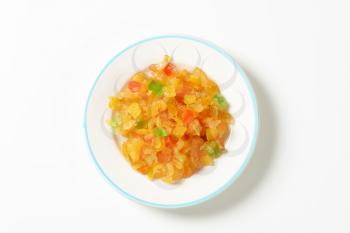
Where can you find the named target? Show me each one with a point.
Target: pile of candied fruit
(175, 121)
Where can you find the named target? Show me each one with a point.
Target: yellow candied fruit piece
(189, 99)
(183, 74)
(152, 123)
(142, 131)
(172, 109)
(128, 125)
(162, 105)
(166, 58)
(211, 133)
(134, 110)
(178, 164)
(212, 123)
(133, 148)
(157, 143)
(178, 174)
(195, 127)
(148, 151)
(138, 164)
(194, 79)
(211, 87)
(200, 74)
(168, 179)
(157, 107)
(206, 100)
(150, 159)
(181, 158)
(207, 160)
(114, 103)
(179, 145)
(139, 76)
(178, 120)
(156, 172)
(170, 169)
(179, 131)
(197, 107)
(125, 150)
(170, 172)
(169, 91)
(158, 122)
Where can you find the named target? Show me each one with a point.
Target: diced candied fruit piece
(115, 121)
(157, 171)
(125, 150)
(153, 67)
(170, 173)
(220, 101)
(207, 160)
(195, 127)
(188, 116)
(114, 103)
(157, 143)
(178, 173)
(170, 141)
(178, 164)
(158, 122)
(160, 132)
(134, 86)
(189, 99)
(194, 79)
(133, 148)
(158, 106)
(142, 131)
(223, 132)
(150, 159)
(166, 59)
(179, 145)
(212, 123)
(144, 169)
(169, 91)
(179, 131)
(213, 149)
(139, 76)
(128, 124)
(140, 124)
(206, 100)
(172, 109)
(187, 170)
(201, 75)
(183, 74)
(134, 110)
(211, 133)
(181, 91)
(169, 69)
(196, 145)
(165, 155)
(156, 87)
(197, 107)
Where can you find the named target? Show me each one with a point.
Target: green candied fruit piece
(220, 101)
(213, 149)
(156, 87)
(160, 132)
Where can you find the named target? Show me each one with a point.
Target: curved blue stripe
(234, 176)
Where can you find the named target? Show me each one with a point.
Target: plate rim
(233, 178)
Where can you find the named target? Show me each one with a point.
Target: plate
(208, 182)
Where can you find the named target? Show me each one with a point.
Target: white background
(297, 54)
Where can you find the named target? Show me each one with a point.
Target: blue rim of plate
(234, 176)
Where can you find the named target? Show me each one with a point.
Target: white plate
(210, 181)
